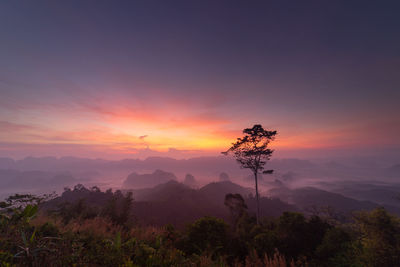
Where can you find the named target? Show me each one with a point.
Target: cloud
(143, 137)
(6, 126)
(182, 151)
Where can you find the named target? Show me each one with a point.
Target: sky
(131, 79)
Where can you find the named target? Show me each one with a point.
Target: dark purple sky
(94, 77)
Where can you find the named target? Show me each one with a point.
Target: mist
(361, 178)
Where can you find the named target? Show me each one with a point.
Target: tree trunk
(258, 202)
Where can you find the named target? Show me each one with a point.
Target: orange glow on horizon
(119, 128)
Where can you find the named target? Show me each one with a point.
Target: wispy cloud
(6, 126)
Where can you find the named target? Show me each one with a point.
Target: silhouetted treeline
(170, 203)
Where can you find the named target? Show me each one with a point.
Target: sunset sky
(127, 79)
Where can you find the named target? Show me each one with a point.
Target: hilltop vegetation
(172, 202)
(88, 227)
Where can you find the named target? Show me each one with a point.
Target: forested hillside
(88, 227)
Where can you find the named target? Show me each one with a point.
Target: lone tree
(252, 152)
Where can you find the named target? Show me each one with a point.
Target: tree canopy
(251, 150)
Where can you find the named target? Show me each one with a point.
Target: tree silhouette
(237, 207)
(252, 152)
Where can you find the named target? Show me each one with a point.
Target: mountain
(212, 166)
(290, 164)
(178, 204)
(162, 192)
(93, 197)
(393, 171)
(135, 180)
(6, 163)
(216, 191)
(175, 203)
(310, 197)
(382, 193)
(24, 180)
(190, 180)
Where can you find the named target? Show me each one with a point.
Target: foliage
(208, 235)
(114, 206)
(379, 234)
(31, 238)
(252, 151)
(118, 208)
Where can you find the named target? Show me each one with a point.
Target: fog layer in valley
(346, 185)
